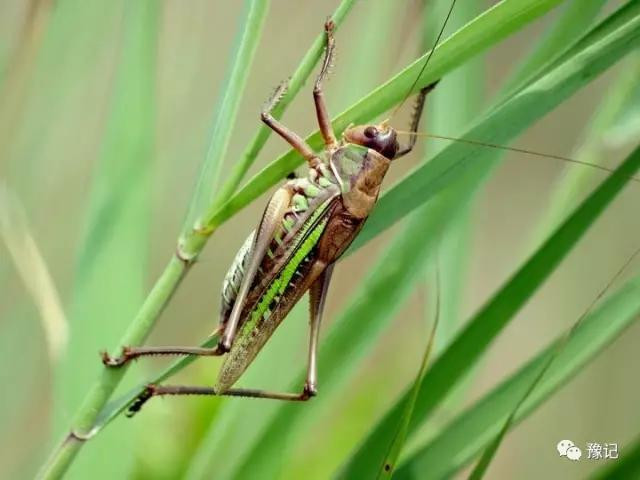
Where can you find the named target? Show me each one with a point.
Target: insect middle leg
(415, 119)
(291, 137)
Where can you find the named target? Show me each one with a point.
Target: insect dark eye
(370, 132)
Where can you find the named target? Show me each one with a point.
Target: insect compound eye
(370, 132)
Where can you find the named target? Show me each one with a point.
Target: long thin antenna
(512, 149)
(424, 66)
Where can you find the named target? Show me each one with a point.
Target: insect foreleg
(317, 297)
(292, 138)
(415, 119)
(324, 121)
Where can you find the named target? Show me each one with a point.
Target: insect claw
(109, 361)
(135, 406)
(329, 25)
(310, 390)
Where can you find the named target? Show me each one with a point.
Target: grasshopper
(306, 226)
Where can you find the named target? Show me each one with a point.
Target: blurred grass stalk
(33, 270)
(111, 261)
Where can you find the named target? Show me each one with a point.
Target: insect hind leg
(151, 391)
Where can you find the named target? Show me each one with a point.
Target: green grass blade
(575, 19)
(505, 122)
(450, 111)
(242, 54)
(486, 30)
(492, 318)
(575, 181)
(390, 461)
(474, 428)
(627, 466)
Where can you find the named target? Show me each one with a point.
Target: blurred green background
(97, 169)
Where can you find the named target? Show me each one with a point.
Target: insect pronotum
(306, 226)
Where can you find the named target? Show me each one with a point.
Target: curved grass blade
(472, 430)
(575, 181)
(484, 31)
(388, 466)
(627, 466)
(242, 54)
(489, 453)
(33, 270)
(576, 18)
(491, 319)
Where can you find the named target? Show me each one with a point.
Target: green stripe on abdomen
(282, 281)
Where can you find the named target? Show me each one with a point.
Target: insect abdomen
(269, 312)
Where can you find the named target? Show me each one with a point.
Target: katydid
(307, 225)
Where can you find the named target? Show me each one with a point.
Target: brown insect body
(352, 178)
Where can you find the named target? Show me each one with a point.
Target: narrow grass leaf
(576, 18)
(389, 464)
(627, 466)
(575, 181)
(33, 271)
(224, 118)
(472, 430)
